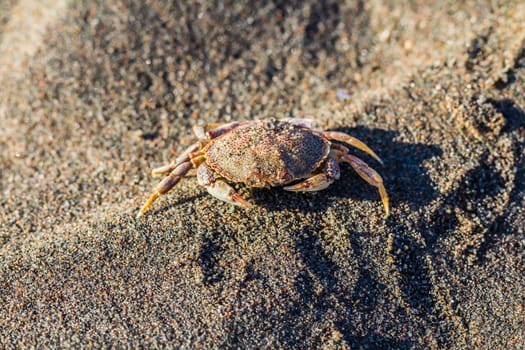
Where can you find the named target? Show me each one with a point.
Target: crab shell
(267, 153)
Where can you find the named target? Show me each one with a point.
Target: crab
(266, 153)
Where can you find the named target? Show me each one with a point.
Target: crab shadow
(403, 175)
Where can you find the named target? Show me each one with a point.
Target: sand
(95, 94)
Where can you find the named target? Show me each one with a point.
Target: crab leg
(341, 136)
(369, 175)
(320, 181)
(184, 157)
(218, 188)
(222, 130)
(166, 185)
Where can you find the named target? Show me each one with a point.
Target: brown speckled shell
(267, 153)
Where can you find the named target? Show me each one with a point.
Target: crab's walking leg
(222, 130)
(218, 188)
(184, 157)
(369, 175)
(165, 185)
(320, 181)
(341, 136)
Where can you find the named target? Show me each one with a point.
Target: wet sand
(97, 94)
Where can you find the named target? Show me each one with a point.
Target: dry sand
(94, 94)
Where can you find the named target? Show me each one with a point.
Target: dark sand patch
(436, 90)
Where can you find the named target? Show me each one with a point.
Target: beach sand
(95, 94)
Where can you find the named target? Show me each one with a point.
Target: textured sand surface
(96, 93)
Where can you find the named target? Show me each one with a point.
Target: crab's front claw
(221, 190)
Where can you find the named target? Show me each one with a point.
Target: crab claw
(221, 190)
(218, 188)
